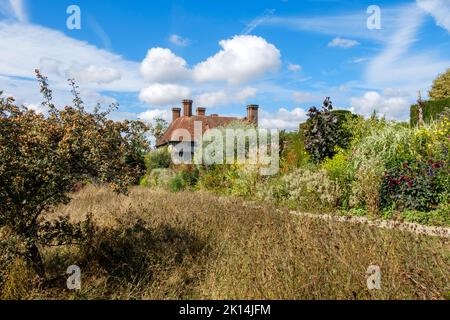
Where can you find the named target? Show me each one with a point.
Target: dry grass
(156, 245)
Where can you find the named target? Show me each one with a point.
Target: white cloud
(225, 97)
(94, 74)
(242, 58)
(257, 21)
(294, 67)
(399, 67)
(150, 115)
(162, 65)
(283, 119)
(348, 25)
(343, 43)
(179, 40)
(164, 94)
(25, 47)
(439, 9)
(393, 107)
(36, 108)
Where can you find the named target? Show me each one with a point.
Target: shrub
(339, 169)
(366, 187)
(43, 157)
(431, 111)
(185, 179)
(292, 150)
(324, 132)
(415, 185)
(438, 217)
(158, 159)
(304, 189)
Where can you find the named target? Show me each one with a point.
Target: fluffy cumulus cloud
(224, 97)
(162, 65)
(283, 119)
(392, 106)
(150, 115)
(164, 94)
(343, 43)
(242, 58)
(95, 74)
(439, 9)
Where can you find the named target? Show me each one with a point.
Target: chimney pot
(201, 111)
(187, 108)
(176, 113)
(252, 114)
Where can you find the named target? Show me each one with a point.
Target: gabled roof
(187, 123)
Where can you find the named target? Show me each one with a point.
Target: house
(187, 121)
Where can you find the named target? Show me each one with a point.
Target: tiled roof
(187, 123)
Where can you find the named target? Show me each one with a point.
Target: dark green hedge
(432, 110)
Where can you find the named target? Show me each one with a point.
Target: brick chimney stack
(252, 114)
(176, 113)
(201, 112)
(187, 108)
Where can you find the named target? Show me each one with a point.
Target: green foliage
(158, 179)
(185, 179)
(158, 159)
(437, 217)
(415, 185)
(43, 157)
(324, 132)
(304, 189)
(431, 110)
(441, 86)
(339, 169)
(293, 153)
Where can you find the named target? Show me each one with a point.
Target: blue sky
(285, 55)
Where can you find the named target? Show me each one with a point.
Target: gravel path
(384, 224)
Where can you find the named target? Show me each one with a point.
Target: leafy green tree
(441, 86)
(42, 157)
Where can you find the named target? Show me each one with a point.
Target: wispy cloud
(343, 43)
(397, 65)
(100, 32)
(439, 9)
(14, 9)
(349, 25)
(268, 13)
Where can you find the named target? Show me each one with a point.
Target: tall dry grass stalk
(157, 245)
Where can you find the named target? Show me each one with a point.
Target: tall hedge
(432, 109)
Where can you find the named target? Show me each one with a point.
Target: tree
(158, 128)
(441, 86)
(43, 156)
(324, 132)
